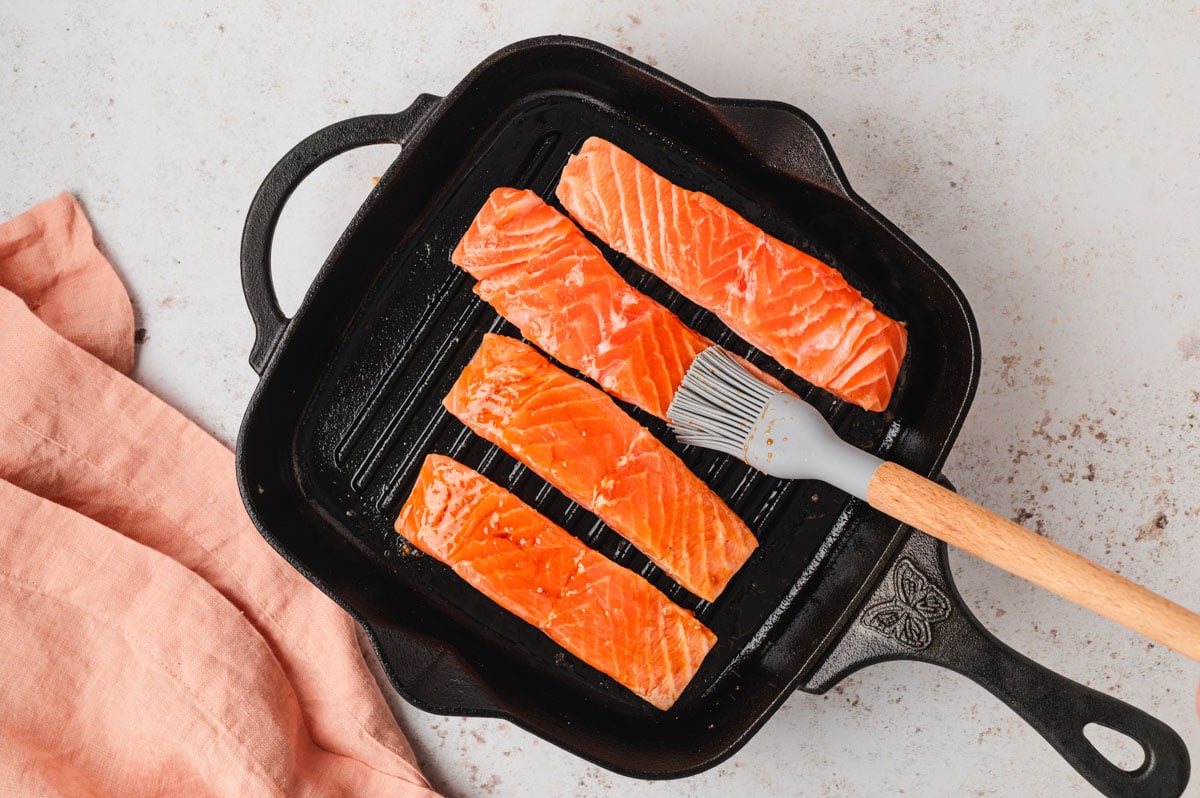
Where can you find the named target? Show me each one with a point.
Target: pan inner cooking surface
(377, 410)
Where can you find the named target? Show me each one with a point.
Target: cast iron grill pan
(377, 413)
(349, 404)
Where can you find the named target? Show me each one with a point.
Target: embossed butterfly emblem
(907, 617)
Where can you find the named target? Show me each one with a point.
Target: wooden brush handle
(947, 516)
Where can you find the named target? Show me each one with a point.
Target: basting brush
(721, 406)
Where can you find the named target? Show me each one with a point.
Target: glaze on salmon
(576, 438)
(606, 615)
(539, 271)
(783, 301)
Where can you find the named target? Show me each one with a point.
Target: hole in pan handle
(263, 213)
(916, 613)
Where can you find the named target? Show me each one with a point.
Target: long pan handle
(1060, 710)
(916, 613)
(925, 505)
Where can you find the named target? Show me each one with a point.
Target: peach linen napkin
(151, 642)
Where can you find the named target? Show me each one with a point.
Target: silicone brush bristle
(718, 403)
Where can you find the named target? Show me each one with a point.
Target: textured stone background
(1048, 157)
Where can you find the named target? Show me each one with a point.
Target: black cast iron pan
(348, 405)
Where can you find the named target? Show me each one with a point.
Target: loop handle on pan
(263, 214)
(917, 614)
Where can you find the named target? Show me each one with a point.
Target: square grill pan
(349, 400)
(349, 404)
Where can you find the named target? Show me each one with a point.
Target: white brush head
(722, 406)
(718, 403)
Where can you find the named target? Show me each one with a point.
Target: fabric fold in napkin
(151, 641)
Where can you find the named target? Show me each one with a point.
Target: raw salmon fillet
(539, 271)
(783, 301)
(576, 438)
(608, 616)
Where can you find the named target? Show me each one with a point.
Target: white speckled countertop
(1048, 158)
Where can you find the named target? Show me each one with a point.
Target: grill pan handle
(273, 194)
(916, 613)
(788, 139)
